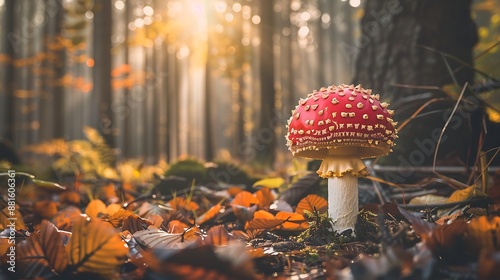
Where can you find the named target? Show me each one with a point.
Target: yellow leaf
(464, 194)
(428, 199)
(271, 183)
(95, 247)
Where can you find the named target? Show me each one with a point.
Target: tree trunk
(102, 66)
(403, 54)
(265, 137)
(401, 43)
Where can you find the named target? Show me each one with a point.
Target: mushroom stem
(342, 172)
(343, 202)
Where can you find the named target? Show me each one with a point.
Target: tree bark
(266, 143)
(102, 66)
(403, 54)
(402, 40)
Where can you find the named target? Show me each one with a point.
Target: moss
(191, 169)
(365, 228)
(320, 231)
(229, 173)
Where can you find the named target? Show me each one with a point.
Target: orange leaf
(210, 214)
(182, 203)
(293, 221)
(256, 253)
(218, 236)
(46, 209)
(64, 218)
(95, 247)
(157, 220)
(113, 208)
(135, 223)
(245, 199)
(263, 220)
(312, 202)
(96, 208)
(41, 253)
(484, 233)
(6, 213)
(70, 197)
(118, 217)
(265, 197)
(233, 191)
(189, 233)
(176, 226)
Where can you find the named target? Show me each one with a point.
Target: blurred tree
(102, 65)
(266, 138)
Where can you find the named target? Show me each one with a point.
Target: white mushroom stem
(343, 202)
(342, 173)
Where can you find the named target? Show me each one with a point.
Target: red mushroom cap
(341, 120)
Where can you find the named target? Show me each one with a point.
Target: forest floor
(106, 229)
(195, 220)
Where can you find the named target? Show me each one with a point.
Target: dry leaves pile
(236, 233)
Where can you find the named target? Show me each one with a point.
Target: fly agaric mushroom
(341, 125)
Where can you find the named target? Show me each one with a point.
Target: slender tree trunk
(102, 66)
(266, 139)
(6, 73)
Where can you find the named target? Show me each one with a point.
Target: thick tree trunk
(401, 43)
(402, 54)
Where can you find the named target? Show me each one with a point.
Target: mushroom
(341, 125)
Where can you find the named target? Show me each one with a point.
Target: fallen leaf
(117, 218)
(46, 209)
(312, 203)
(245, 199)
(265, 197)
(96, 208)
(210, 214)
(134, 223)
(293, 221)
(428, 199)
(484, 233)
(464, 194)
(6, 215)
(271, 183)
(263, 220)
(218, 236)
(155, 238)
(182, 203)
(95, 247)
(42, 253)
